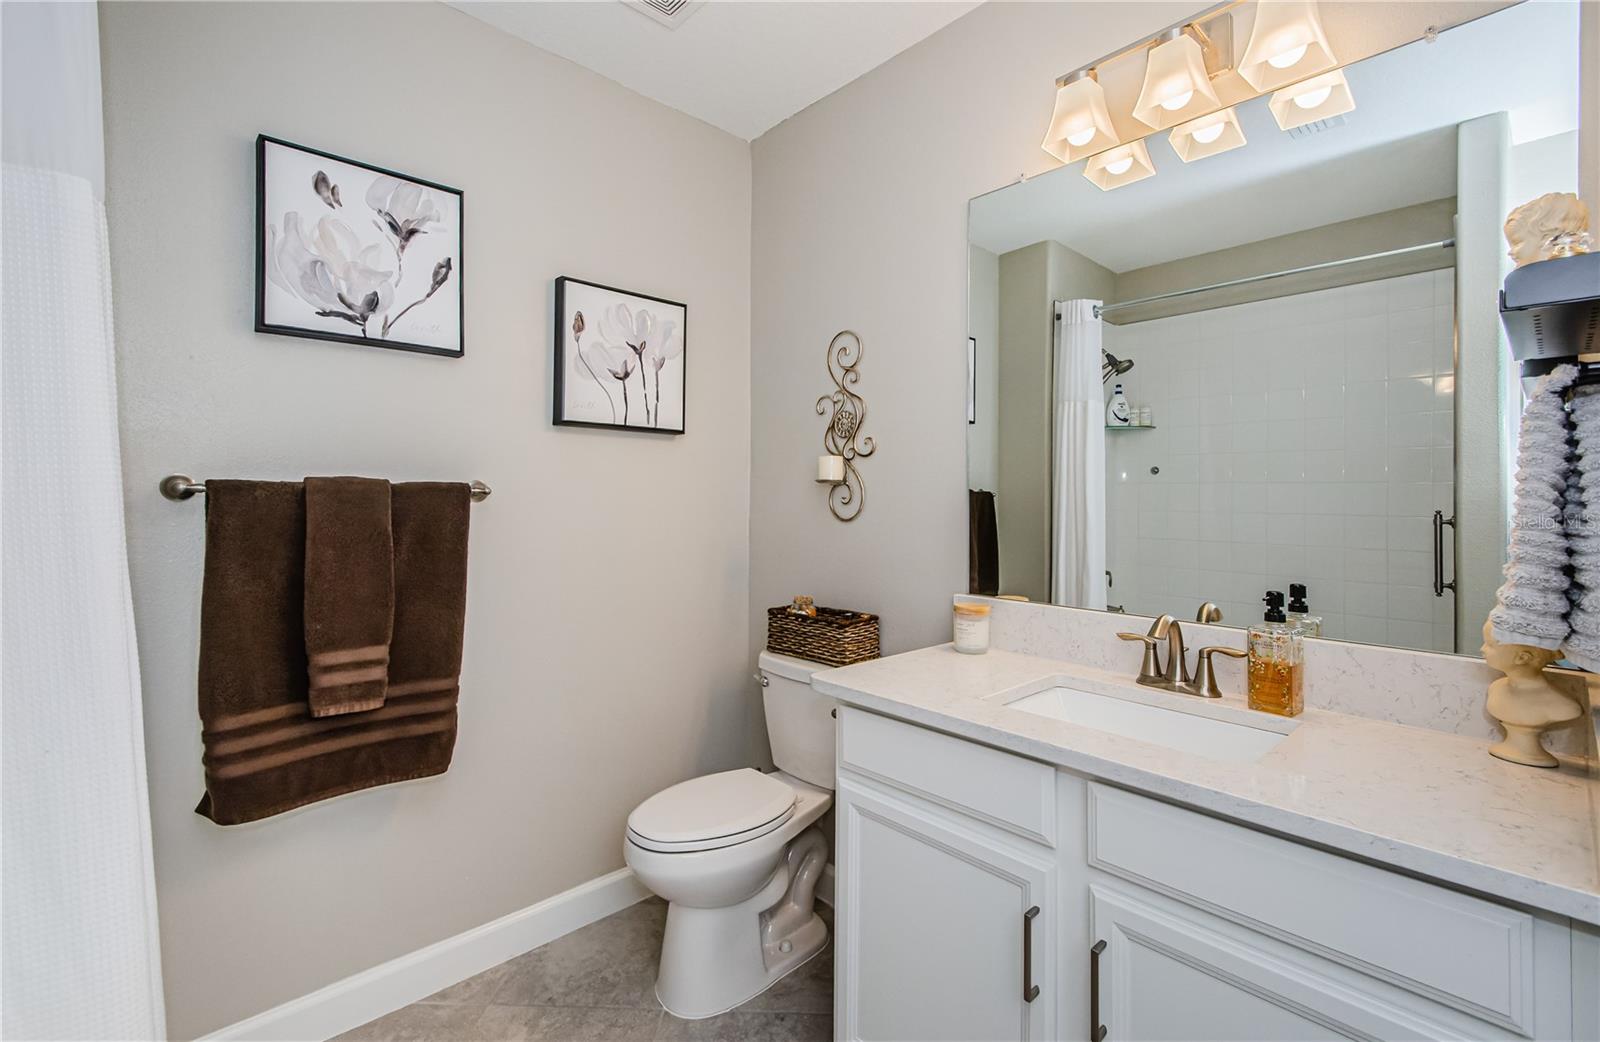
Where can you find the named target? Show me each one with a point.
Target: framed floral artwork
(620, 358)
(355, 253)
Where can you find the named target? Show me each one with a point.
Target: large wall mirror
(1305, 329)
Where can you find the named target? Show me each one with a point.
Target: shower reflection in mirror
(1310, 321)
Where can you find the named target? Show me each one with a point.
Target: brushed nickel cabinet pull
(1097, 1030)
(1030, 990)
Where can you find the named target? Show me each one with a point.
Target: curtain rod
(1442, 244)
(181, 486)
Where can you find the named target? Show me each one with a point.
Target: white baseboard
(399, 982)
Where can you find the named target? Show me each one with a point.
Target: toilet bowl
(735, 856)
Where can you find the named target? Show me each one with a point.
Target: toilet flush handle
(761, 678)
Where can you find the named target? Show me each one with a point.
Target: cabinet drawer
(1464, 952)
(1006, 791)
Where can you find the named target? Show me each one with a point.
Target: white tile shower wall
(1403, 686)
(1301, 439)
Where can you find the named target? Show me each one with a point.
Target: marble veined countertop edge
(1425, 802)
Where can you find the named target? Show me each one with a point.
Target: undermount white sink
(1201, 735)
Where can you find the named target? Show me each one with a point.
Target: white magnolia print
(629, 341)
(359, 250)
(331, 270)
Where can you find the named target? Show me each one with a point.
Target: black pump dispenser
(1297, 599)
(1274, 602)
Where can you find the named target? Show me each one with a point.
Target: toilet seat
(711, 812)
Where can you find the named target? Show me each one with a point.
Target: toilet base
(713, 959)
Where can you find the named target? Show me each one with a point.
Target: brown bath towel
(264, 752)
(983, 544)
(349, 598)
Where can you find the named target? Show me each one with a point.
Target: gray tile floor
(597, 984)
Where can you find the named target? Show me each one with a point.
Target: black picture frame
(972, 380)
(560, 413)
(310, 333)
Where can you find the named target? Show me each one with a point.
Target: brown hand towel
(264, 752)
(349, 599)
(983, 544)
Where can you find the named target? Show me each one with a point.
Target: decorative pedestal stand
(1524, 700)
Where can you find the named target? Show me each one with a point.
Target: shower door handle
(1439, 523)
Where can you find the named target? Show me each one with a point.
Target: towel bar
(181, 486)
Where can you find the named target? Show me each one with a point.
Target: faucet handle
(1150, 667)
(1205, 679)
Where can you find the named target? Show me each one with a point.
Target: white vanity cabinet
(1153, 921)
(948, 935)
(946, 904)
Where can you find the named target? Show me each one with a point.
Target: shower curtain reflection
(1078, 506)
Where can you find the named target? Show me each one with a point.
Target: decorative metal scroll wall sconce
(847, 492)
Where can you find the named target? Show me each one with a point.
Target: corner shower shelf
(1130, 426)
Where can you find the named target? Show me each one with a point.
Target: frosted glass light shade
(1207, 136)
(1119, 166)
(1293, 106)
(1081, 124)
(1286, 44)
(1176, 85)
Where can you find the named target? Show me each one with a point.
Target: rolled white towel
(1518, 595)
(1583, 531)
(1532, 606)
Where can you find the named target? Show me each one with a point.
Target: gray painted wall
(585, 688)
(983, 436)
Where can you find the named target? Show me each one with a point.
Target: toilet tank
(799, 720)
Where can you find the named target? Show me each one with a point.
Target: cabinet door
(1168, 973)
(934, 923)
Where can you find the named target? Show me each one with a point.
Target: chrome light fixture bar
(1214, 34)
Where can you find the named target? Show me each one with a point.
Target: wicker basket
(833, 637)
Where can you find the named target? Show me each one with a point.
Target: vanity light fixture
(1080, 124)
(1207, 136)
(1320, 97)
(1177, 87)
(1287, 43)
(1119, 166)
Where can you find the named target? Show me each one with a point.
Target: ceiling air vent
(670, 13)
(1318, 126)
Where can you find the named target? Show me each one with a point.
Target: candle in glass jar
(971, 628)
(830, 469)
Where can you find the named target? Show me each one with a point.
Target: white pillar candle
(830, 469)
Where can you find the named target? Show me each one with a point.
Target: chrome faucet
(1175, 677)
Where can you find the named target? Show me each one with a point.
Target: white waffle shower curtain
(1078, 461)
(77, 900)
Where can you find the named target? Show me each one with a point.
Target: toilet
(735, 856)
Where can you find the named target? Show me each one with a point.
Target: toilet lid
(712, 806)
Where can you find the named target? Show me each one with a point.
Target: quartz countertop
(1429, 803)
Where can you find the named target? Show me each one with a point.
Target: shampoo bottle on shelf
(1276, 669)
(1299, 612)
(1117, 412)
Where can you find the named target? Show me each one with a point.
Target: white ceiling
(741, 66)
(1397, 149)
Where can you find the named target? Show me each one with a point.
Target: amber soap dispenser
(1276, 668)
